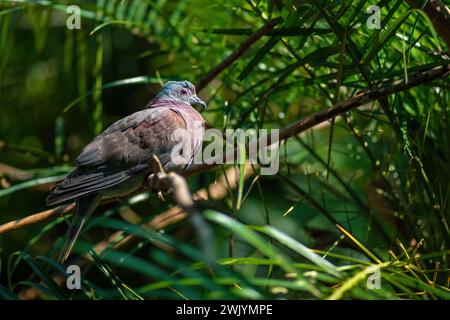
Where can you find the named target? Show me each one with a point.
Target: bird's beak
(196, 101)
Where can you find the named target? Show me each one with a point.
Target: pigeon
(119, 159)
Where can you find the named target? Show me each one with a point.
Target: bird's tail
(85, 205)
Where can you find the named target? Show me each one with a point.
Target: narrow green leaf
(118, 83)
(300, 249)
(29, 184)
(258, 57)
(384, 37)
(8, 295)
(242, 165)
(44, 276)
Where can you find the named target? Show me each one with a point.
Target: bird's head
(183, 91)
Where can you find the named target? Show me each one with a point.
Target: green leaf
(300, 249)
(52, 286)
(384, 37)
(242, 165)
(8, 295)
(258, 57)
(130, 262)
(29, 184)
(255, 240)
(114, 84)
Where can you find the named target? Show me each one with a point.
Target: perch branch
(160, 180)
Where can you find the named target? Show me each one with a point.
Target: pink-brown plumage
(118, 160)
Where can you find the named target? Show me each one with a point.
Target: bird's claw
(160, 196)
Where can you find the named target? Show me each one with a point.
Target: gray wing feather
(121, 151)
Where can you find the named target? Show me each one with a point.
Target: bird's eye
(183, 91)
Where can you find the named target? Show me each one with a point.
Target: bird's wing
(133, 140)
(121, 151)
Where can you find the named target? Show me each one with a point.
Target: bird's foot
(160, 196)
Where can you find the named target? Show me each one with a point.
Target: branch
(162, 181)
(360, 99)
(237, 53)
(36, 218)
(14, 174)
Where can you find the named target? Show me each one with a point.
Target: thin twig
(237, 53)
